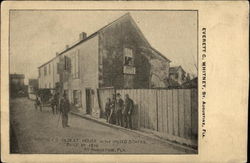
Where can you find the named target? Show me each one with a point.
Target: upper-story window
(45, 70)
(75, 64)
(39, 72)
(128, 67)
(128, 57)
(49, 69)
(67, 63)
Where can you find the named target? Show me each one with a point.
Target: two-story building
(118, 55)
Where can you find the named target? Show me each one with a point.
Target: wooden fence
(170, 113)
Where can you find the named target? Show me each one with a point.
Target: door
(89, 101)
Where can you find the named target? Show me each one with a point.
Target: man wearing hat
(128, 111)
(64, 108)
(119, 108)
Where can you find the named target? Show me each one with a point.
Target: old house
(177, 74)
(118, 55)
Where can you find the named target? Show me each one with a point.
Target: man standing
(119, 107)
(54, 103)
(108, 109)
(38, 103)
(64, 108)
(128, 111)
(112, 117)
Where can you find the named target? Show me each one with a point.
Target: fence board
(187, 113)
(142, 110)
(165, 109)
(194, 111)
(136, 116)
(181, 113)
(153, 110)
(170, 113)
(145, 110)
(150, 113)
(159, 101)
(175, 112)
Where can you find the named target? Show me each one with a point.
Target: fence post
(157, 114)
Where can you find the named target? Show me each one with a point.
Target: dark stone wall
(112, 41)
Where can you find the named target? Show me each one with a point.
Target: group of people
(119, 112)
(59, 105)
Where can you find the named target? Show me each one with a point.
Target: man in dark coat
(54, 103)
(112, 117)
(64, 108)
(119, 108)
(128, 111)
(108, 109)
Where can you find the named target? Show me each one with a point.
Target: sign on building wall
(128, 70)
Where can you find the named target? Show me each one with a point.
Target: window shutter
(69, 64)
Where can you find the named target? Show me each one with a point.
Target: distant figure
(54, 103)
(119, 108)
(108, 109)
(128, 111)
(64, 108)
(38, 103)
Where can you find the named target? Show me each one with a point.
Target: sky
(36, 36)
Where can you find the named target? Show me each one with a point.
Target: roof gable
(174, 69)
(126, 16)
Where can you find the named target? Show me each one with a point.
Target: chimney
(82, 36)
(67, 46)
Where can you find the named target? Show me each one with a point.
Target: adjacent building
(177, 74)
(118, 55)
(17, 87)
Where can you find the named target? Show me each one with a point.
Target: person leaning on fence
(107, 109)
(64, 109)
(119, 107)
(128, 111)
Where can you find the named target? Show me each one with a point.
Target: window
(53, 68)
(49, 68)
(128, 67)
(57, 68)
(45, 70)
(75, 65)
(67, 63)
(128, 57)
(49, 85)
